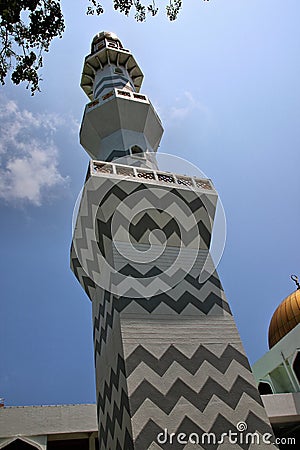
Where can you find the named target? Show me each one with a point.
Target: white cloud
(29, 168)
(185, 106)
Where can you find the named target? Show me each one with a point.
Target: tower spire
(118, 122)
(295, 279)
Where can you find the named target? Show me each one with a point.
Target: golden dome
(285, 318)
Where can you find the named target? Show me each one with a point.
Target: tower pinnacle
(118, 122)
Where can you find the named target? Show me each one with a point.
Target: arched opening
(296, 366)
(137, 152)
(118, 70)
(264, 388)
(19, 444)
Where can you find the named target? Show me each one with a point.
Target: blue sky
(225, 80)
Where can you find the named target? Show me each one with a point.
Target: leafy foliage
(173, 9)
(27, 28)
(95, 7)
(125, 6)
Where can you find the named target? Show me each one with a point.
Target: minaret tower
(171, 371)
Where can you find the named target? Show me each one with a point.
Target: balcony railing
(103, 168)
(123, 93)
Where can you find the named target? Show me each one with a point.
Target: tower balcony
(108, 50)
(156, 177)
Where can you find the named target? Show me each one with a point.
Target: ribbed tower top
(107, 51)
(118, 122)
(105, 34)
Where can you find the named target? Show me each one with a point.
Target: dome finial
(295, 278)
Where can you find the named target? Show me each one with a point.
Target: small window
(112, 43)
(124, 93)
(296, 366)
(140, 96)
(98, 46)
(137, 152)
(118, 70)
(264, 388)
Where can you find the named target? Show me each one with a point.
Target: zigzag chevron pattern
(178, 305)
(103, 322)
(175, 302)
(192, 364)
(157, 218)
(199, 399)
(113, 382)
(193, 381)
(112, 401)
(221, 424)
(204, 419)
(85, 281)
(114, 424)
(201, 214)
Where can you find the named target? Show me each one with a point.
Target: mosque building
(171, 371)
(277, 373)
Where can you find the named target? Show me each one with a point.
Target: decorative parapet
(122, 93)
(102, 168)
